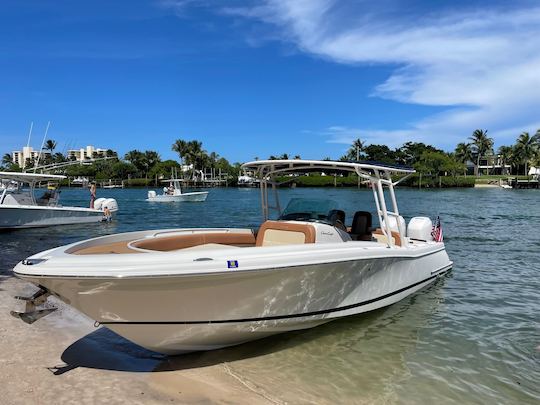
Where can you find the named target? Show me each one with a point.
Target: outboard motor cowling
(111, 204)
(420, 229)
(98, 203)
(152, 194)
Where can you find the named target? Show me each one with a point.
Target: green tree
(435, 164)
(137, 159)
(355, 151)
(122, 170)
(58, 158)
(464, 153)
(191, 153)
(527, 148)
(163, 169)
(50, 145)
(411, 152)
(151, 158)
(506, 154)
(380, 153)
(482, 145)
(181, 147)
(7, 160)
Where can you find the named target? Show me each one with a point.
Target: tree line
(426, 159)
(135, 163)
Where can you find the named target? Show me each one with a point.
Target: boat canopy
(378, 175)
(30, 177)
(265, 168)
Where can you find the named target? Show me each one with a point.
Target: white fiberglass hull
(28, 216)
(185, 197)
(176, 302)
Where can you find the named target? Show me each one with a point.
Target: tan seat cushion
(168, 243)
(381, 237)
(273, 233)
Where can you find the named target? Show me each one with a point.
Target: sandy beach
(63, 358)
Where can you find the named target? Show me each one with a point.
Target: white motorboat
(173, 193)
(19, 207)
(181, 290)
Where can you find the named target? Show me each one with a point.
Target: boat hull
(12, 217)
(186, 197)
(182, 313)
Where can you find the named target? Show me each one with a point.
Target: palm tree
(151, 158)
(58, 158)
(7, 160)
(50, 145)
(527, 147)
(506, 153)
(213, 157)
(137, 159)
(355, 150)
(181, 147)
(463, 153)
(481, 144)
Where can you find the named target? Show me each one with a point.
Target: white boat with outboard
(173, 193)
(19, 207)
(181, 290)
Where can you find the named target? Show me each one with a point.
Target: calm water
(472, 337)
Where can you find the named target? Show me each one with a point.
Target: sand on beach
(63, 358)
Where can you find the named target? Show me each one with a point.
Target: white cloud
(484, 65)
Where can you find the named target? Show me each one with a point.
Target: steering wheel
(340, 225)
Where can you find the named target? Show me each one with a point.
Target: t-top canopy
(30, 177)
(264, 168)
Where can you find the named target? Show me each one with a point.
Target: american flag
(436, 231)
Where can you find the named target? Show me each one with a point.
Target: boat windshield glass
(308, 209)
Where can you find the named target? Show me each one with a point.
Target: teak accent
(395, 236)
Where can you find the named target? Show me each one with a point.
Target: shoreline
(63, 358)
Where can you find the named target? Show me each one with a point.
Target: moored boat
(20, 208)
(180, 290)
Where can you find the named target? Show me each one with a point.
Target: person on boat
(170, 190)
(92, 194)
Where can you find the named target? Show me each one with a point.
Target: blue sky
(269, 77)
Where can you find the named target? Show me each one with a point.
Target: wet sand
(63, 358)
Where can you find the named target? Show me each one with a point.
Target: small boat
(180, 290)
(173, 193)
(19, 207)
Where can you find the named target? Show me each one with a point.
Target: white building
(89, 152)
(20, 157)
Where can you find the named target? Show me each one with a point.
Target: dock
(525, 184)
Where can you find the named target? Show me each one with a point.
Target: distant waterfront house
(492, 164)
(90, 152)
(27, 154)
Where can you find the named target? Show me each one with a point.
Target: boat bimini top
(379, 176)
(27, 178)
(30, 178)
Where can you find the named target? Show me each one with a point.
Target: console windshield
(308, 209)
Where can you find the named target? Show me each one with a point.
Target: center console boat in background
(181, 290)
(173, 193)
(19, 207)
